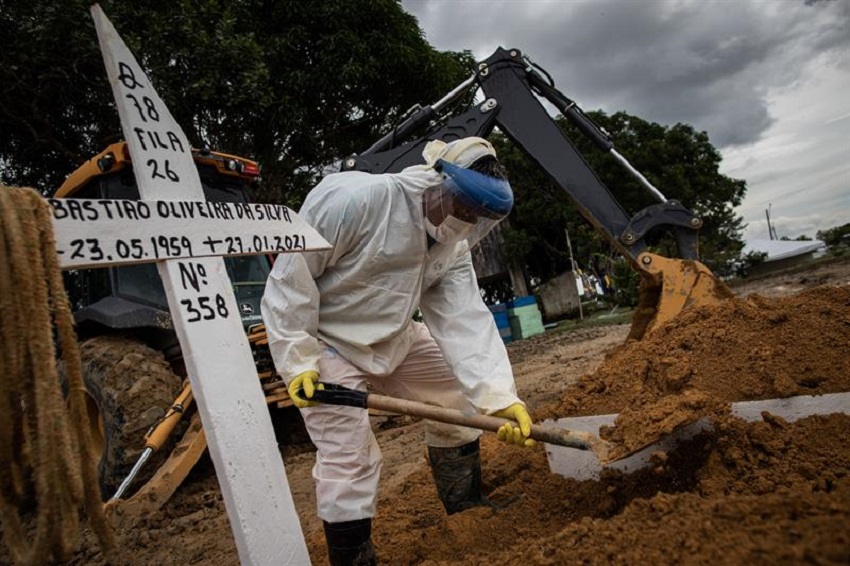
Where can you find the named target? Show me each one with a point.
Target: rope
(45, 448)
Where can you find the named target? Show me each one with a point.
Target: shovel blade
(582, 465)
(589, 465)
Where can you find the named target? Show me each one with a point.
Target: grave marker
(174, 226)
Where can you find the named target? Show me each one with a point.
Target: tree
(294, 85)
(679, 161)
(742, 266)
(835, 236)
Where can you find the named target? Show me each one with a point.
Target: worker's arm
(290, 305)
(290, 309)
(466, 332)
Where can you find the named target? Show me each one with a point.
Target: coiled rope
(45, 448)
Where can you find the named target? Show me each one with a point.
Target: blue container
(501, 307)
(503, 323)
(523, 302)
(502, 320)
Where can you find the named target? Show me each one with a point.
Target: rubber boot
(350, 543)
(457, 474)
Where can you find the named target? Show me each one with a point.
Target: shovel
(552, 435)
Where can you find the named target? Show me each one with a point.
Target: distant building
(782, 254)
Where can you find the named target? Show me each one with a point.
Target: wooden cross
(218, 358)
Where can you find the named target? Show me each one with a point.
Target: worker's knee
(347, 483)
(348, 462)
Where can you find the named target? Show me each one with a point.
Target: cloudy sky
(768, 80)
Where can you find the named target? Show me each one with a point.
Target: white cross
(218, 358)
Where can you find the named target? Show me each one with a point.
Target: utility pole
(771, 231)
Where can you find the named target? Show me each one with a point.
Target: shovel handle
(339, 395)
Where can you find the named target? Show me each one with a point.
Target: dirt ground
(764, 492)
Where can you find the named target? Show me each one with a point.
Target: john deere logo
(246, 308)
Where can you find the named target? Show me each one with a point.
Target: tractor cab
(132, 298)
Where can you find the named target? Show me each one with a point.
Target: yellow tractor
(138, 394)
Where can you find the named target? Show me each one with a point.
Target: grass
(603, 317)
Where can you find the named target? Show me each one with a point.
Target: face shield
(466, 205)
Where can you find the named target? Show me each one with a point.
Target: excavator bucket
(669, 286)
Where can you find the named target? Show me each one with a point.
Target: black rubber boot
(457, 474)
(350, 543)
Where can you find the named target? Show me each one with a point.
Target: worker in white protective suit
(400, 243)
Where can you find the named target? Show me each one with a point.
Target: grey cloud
(766, 79)
(709, 64)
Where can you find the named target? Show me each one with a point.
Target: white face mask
(450, 230)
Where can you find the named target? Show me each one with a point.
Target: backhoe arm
(511, 84)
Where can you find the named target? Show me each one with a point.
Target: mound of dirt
(744, 349)
(768, 491)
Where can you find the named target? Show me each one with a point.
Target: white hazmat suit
(348, 314)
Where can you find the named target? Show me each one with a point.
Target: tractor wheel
(130, 386)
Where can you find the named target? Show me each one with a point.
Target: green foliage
(836, 236)
(294, 85)
(626, 283)
(678, 160)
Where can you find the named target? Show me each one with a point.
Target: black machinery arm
(511, 84)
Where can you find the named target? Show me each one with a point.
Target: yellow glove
(518, 436)
(307, 381)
